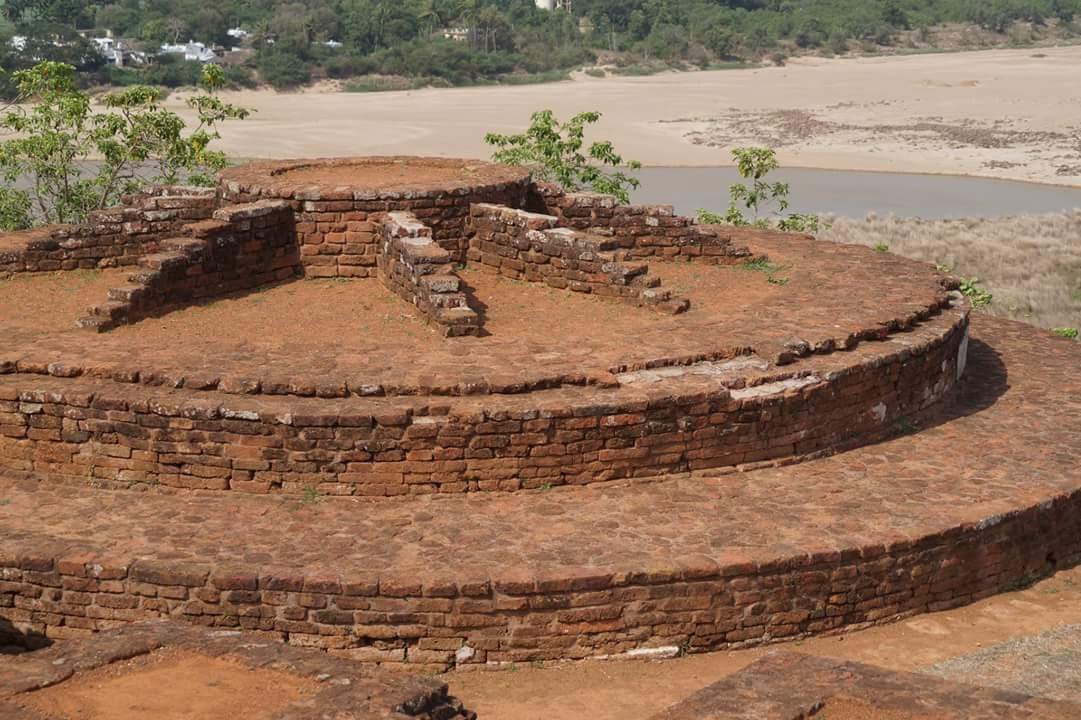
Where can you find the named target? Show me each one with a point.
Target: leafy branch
(557, 152)
(77, 160)
(765, 202)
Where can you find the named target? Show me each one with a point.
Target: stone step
(94, 322)
(163, 260)
(111, 309)
(186, 245)
(130, 293)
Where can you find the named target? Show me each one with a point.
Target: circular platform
(972, 497)
(350, 393)
(385, 176)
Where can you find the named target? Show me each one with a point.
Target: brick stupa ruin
(429, 412)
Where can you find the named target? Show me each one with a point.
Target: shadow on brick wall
(985, 380)
(13, 640)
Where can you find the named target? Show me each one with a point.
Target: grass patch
(398, 83)
(882, 247)
(770, 269)
(905, 426)
(1066, 332)
(641, 69)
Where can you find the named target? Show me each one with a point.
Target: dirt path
(634, 690)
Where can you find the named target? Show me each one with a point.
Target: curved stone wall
(979, 500)
(89, 429)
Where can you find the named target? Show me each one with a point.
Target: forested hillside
(510, 40)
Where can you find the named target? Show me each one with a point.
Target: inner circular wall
(338, 201)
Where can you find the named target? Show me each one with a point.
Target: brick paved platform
(985, 493)
(835, 296)
(787, 686)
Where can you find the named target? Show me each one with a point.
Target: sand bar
(999, 113)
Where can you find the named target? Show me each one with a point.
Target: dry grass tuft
(1031, 263)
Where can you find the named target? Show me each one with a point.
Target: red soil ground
(171, 685)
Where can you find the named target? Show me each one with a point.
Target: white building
(18, 42)
(191, 51)
(237, 33)
(110, 49)
(458, 34)
(553, 4)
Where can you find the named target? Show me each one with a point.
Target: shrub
(556, 152)
(765, 201)
(283, 69)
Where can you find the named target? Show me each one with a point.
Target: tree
(760, 197)
(435, 14)
(720, 40)
(894, 14)
(469, 12)
(139, 142)
(283, 67)
(175, 27)
(553, 151)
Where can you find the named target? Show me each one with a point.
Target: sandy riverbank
(1001, 113)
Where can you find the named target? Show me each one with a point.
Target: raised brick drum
(425, 411)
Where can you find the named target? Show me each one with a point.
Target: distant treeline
(501, 38)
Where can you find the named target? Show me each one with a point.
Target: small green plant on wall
(976, 294)
(557, 152)
(970, 287)
(759, 203)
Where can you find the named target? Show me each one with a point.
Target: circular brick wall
(766, 373)
(338, 199)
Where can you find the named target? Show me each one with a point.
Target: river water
(855, 194)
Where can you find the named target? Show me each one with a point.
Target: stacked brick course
(529, 246)
(652, 231)
(242, 247)
(79, 428)
(420, 272)
(114, 237)
(68, 431)
(698, 603)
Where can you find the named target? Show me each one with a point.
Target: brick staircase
(242, 247)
